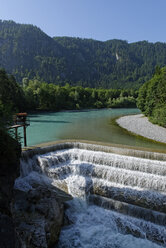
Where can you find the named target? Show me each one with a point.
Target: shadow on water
(82, 110)
(60, 112)
(33, 115)
(49, 121)
(42, 113)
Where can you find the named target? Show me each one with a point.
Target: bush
(152, 98)
(159, 116)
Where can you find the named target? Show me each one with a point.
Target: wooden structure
(20, 120)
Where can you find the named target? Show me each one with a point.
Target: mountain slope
(26, 51)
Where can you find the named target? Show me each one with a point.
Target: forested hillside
(36, 95)
(26, 51)
(152, 97)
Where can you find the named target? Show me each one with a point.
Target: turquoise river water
(93, 125)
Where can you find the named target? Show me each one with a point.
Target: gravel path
(140, 125)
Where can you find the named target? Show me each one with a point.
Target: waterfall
(119, 194)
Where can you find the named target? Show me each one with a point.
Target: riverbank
(140, 125)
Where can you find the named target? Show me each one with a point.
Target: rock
(8, 235)
(39, 215)
(10, 152)
(9, 171)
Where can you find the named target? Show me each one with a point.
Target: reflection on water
(94, 125)
(47, 121)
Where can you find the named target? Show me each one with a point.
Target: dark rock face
(27, 219)
(10, 152)
(8, 235)
(38, 214)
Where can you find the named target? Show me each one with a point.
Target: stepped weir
(119, 194)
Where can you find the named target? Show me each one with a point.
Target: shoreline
(140, 125)
(74, 142)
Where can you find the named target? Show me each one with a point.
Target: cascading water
(118, 200)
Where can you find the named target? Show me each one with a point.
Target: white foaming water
(95, 227)
(136, 182)
(114, 160)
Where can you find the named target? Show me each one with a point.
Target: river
(92, 125)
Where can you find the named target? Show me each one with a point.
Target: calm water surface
(94, 125)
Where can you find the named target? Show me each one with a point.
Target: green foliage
(11, 97)
(36, 95)
(11, 100)
(159, 116)
(43, 96)
(152, 97)
(141, 100)
(28, 53)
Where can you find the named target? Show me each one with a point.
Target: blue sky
(131, 20)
